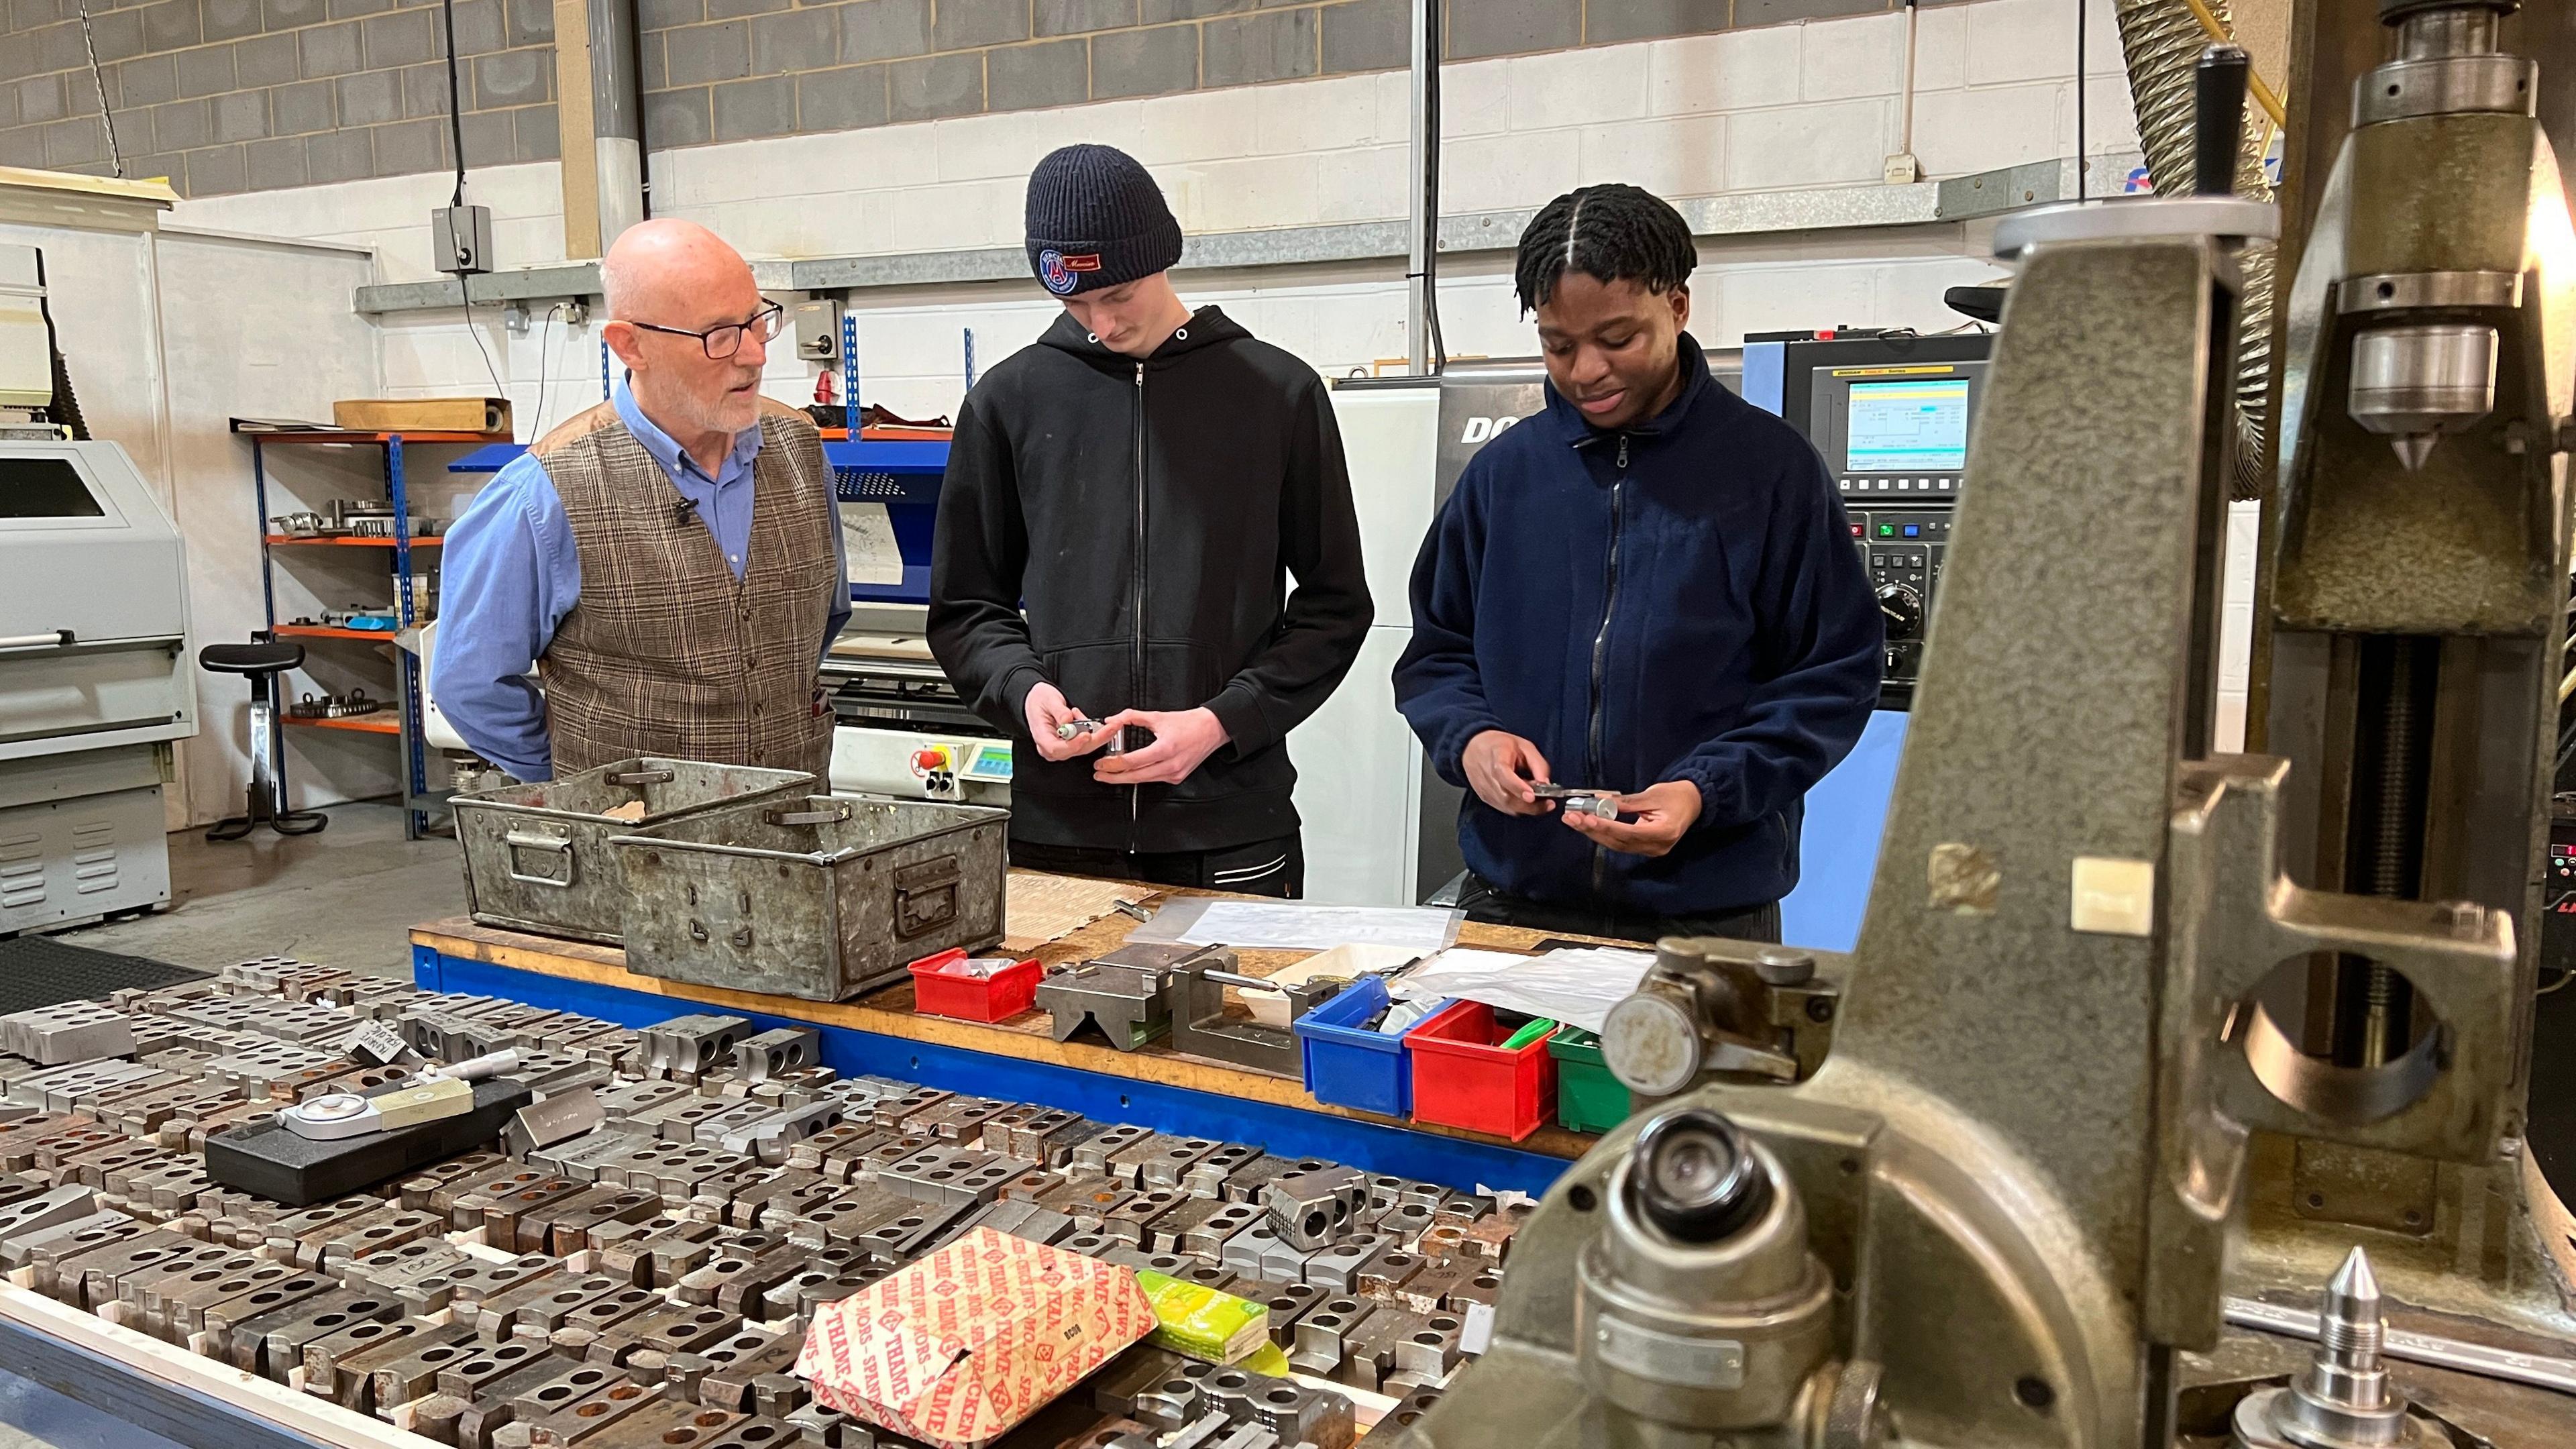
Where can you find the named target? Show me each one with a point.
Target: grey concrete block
(289, 14)
(74, 142)
(752, 108)
(328, 49)
(654, 15)
(41, 98)
(1608, 21)
(8, 106)
(1075, 17)
(118, 34)
(25, 15)
(965, 24)
(343, 155)
(1510, 27)
(490, 138)
(300, 108)
(885, 29)
(1157, 12)
(1144, 62)
(170, 24)
(206, 70)
(59, 47)
(1774, 12)
(424, 89)
(178, 126)
(513, 78)
(794, 41)
(217, 171)
(17, 61)
(22, 146)
(352, 9)
(240, 115)
(145, 80)
(80, 94)
(229, 19)
(1367, 35)
(1049, 73)
(478, 27)
(155, 164)
(407, 148)
(939, 85)
(737, 9)
(677, 118)
(536, 134)
(369, 98)
(268, 60)
(1243, 50)
(531, 22)
(705, 53)
(275, 164)
(841, 99)
(406, 37)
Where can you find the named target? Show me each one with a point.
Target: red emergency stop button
(930, 760)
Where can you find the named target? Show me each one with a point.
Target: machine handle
(50, 639)
(2218, 118)
(559, 844)
(642, 777)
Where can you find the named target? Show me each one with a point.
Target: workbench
(1018, 1059)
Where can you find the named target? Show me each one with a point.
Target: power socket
(460, 239)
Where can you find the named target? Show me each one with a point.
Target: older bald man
(669, 562)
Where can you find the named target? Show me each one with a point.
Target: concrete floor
(346, 897)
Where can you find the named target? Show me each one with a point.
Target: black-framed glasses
(724, 341)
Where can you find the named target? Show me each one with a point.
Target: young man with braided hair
(1648, 587)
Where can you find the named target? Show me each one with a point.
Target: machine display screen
(1918, 425)
(45, 488)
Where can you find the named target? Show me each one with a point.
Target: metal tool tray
(825, 898)
(537, 856)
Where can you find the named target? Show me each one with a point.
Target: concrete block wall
(226, 96)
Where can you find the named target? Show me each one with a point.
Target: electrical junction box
(460, 239)
(818, 330)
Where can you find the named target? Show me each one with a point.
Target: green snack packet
(1200, 1322)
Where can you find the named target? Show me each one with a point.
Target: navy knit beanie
(1096, 219)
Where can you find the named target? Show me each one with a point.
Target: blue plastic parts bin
(1349, 1065)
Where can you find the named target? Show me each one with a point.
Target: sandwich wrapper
(972, 1339)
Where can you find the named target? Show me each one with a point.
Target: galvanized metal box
(826, 898)
(537, 856)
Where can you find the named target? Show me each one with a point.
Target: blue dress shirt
(511, 573)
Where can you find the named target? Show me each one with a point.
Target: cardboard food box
(972, 1339)
(423, 414)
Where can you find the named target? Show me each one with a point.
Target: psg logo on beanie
(1063, 274)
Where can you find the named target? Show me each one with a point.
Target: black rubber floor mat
(40, 971)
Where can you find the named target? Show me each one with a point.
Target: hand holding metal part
(1182, 739)
(1056, 728)
(1505, 771)
(1650, 822)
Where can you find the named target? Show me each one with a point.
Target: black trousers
(1483, 903)
(1263, 868)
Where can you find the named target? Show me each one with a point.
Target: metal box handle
(925, 896)
(832, 814)
(643, 777)
(561, 846)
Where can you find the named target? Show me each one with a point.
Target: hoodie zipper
(1601, 649)
(1136, 664)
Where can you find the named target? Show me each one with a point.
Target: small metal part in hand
(1602, 803)
(1073, 729)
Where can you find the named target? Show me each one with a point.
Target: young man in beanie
(1143, 482)
(1678, 613)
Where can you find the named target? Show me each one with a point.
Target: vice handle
(2218, 118)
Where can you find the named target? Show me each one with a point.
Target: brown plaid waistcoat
(666, 653)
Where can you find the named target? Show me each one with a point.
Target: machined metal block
(1310, 1209)
(1336, 1266)
(560, 1117)
(1324, 1334)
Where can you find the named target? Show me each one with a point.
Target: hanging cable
(106, 118)
(1434, 43)
(2083, 163)
(456, 141)
(537, 429)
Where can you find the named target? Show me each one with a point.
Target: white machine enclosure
(95, 681)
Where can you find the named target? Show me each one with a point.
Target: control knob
(1903, 608)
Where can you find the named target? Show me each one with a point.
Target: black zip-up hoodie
(1147, 514)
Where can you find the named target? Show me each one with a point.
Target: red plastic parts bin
(1462, 1077)
(1006, 993)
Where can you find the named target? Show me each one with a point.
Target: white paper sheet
(868, 544)
(1293, 926)
(1575, 986)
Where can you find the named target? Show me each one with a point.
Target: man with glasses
(670, 559)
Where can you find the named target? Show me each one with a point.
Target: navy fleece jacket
(1677, 600)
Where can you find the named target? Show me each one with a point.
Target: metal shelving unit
(403, 721)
